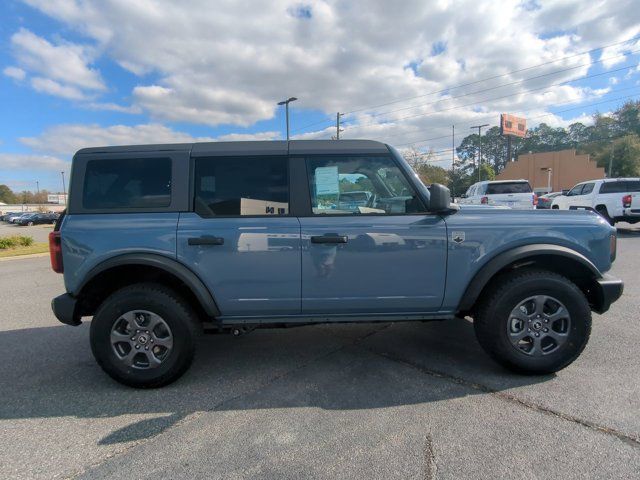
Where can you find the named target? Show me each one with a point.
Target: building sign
(512, 125)
(57, 199)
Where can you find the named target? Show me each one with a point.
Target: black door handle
(205, 240)
(329, 239)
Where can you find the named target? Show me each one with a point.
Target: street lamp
(549, 171)
(286, 108)
(480, 127)
(64, 188)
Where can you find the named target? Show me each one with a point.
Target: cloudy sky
(76, 73)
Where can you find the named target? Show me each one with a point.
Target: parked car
(5, 216)
(37, 219)
(163, 242)
(615, 199)
(545, 201)
(509, 193)
(15, 217)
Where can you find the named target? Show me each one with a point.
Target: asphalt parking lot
(408, 400)
(40, 233)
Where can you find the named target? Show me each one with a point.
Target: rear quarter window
(127, 183)
(615, 187)
(508, 187)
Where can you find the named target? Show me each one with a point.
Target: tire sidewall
(567, 294)
(150, 300)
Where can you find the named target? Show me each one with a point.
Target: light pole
(286, 108)
(38, 187)
(480, 127)
(64, 189)
(549, 171)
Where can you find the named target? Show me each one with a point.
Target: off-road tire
(494, 311)
(162, 301)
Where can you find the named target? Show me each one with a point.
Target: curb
(29, 255)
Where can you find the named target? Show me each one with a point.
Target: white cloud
(46, 85)
(62, 69)
(113, 107)
(237, 137)
(222, 66)
(69, 138)
(15, 73)
(22, 161)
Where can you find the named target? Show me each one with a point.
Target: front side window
(575, 191)
(127, 183)
(587, 189)
(360, 185)
(241, 186)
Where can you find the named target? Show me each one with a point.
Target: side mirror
(440, 198)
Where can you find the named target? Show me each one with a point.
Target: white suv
(616, 199)
(509, 193)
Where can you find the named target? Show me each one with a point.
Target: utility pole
(64, 188)
(286, 108)
(610, 160)
(453, 160)
(480, 127)
(338, 129)
(38, 187)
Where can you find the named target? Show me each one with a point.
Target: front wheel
(534, 322)
(144, 336)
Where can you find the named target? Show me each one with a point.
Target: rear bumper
(65, 309)
(608, 290)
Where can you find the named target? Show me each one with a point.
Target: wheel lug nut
(546, 320)
(146, 348)
(537, 334)
(546, 330)
(133, 338)
(528, 329)
(137, 347)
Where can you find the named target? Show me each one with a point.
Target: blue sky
(79, 73)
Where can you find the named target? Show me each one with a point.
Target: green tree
(432, 174)
(7, 195)
(624, 155)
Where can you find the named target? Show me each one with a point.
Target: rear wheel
(534, 322)
(144, 336)
(30, 224)
(602, 211)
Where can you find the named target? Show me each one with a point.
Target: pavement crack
(632, 440)
(430, 467)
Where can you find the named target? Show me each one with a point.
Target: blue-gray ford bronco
(160, 243)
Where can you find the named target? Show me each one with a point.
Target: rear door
(386, 257)
(241, 238)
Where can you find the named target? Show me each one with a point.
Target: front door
(383, 255)
(240, 239)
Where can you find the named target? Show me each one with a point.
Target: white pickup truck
(616, 199)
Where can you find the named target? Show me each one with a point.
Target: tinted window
(381, 186)
(575, 190)
(620, 186)
(508, 187)
(587, 189)
(241, 186)
(127, 183)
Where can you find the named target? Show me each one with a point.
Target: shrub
(15, 241)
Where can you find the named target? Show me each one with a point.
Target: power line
(507, 84)
(524, 113)
(475, 82)
(499, 98)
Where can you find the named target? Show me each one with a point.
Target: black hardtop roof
(274, 147)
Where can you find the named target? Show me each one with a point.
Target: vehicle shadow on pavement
(51, 373)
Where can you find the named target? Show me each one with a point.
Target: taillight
(55, 251)
(535, 199)
(626, 201)
(484, 200)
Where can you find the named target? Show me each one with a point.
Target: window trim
(310, 214)
(238, 158)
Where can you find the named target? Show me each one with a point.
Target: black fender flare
(497, 263)
(161, 262)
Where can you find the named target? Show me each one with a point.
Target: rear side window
(620, 187)
(508, 187)
(241, 186)
(127, 183)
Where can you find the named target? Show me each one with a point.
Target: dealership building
(552, 171)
